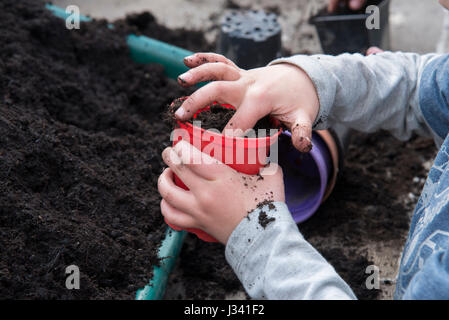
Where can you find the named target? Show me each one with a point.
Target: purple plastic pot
(306, 175)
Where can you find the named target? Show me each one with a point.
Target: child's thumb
(302, 135)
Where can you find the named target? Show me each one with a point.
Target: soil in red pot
(217, 116)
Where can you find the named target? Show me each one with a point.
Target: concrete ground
(415, 25)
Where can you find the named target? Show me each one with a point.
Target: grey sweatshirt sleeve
(368, 93)
(364, 93)
(273, 260)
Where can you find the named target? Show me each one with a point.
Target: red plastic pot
(249, 155)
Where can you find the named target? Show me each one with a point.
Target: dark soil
(80, 145)
(79, 157)
(264, 220)
(268, 203)
(146, 24)
(216, 117)
(202, 273)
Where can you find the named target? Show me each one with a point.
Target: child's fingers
(188, 177)
(244, 118)
(332, 5)
(356, 4)
(174, 195)
(176, 217)
(201, 164)
(189, 155)
(353, 4)
(218, 91)
(373, 50)
(209, 72)
(200, 58)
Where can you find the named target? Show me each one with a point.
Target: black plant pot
(250, 38)
(347, 31)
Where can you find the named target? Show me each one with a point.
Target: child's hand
(352, 4)
(219, 197)
(283, 90)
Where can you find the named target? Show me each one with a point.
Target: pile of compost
(80, 142)
(144, 23)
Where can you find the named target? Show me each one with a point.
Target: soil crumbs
(264, 220)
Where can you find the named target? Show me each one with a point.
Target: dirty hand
(282, 90)
(352, 4)
(219, 197)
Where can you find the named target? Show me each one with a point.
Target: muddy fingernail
(180, 113)
(304, 144)
(181, 80)
(188, 57)
(308, 145)
(185, 77)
